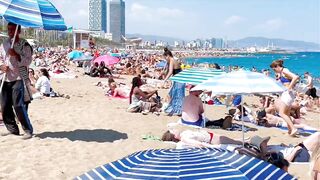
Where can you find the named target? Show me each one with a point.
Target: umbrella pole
(242, 109)
(5, 74)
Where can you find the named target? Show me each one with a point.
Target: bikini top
(284, 79)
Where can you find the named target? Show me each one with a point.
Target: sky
(229, 19)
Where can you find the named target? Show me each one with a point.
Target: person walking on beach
(177, 91)
(284, 103)
(12, 94)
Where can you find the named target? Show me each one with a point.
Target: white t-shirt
(43, 85)
(201, 135)
(285, 150)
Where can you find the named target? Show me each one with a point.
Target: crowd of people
(284, 110)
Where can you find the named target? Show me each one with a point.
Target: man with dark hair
(13, 91)
(311, 89)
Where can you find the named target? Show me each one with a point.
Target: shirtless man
(192, 108)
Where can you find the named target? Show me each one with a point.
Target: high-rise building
(98, 15)
(117, 20)
(219, 43)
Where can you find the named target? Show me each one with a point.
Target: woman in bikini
(284, 103)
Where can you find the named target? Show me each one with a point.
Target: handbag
(26, 84)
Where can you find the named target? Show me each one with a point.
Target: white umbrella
(240, 83)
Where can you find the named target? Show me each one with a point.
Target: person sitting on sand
(33, 77)
(43, 83)
(192, 109)
(198, 138)
(139, 100)
(94, 71)
(103, 70)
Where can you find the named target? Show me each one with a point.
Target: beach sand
(75, 135)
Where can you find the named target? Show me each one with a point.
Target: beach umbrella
(108, 60)
(31, 13)
(240, 83)
(75, 54)
(115, 55)
(83, 58)
(195, 76)
(197, 163)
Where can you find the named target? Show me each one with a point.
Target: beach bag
(145, 106)
(249, 150)
(26, 84)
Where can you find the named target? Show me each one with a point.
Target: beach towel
(300, 130)
(151, 137)
(234, 127)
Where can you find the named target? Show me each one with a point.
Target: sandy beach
(75, 135)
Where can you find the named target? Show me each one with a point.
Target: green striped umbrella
(195, 76)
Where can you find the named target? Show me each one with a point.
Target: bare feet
(294, 133)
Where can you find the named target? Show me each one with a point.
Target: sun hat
(257, 140)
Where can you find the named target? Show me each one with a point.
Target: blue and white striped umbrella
(195, 76)
(204, 163)
(32, 13)
(241, 82)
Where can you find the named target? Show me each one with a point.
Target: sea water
(298, 63)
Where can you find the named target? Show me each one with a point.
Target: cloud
(142, 13)
(271, 25)
(233, 20)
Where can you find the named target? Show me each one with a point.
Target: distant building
(218, 43)
(98, 15)
(176, 44)
(117, 20)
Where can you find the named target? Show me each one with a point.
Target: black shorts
(312, 92)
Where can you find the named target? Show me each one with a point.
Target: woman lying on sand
(198, 138)
(268, 117)
(270, 120)
(299, 153)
